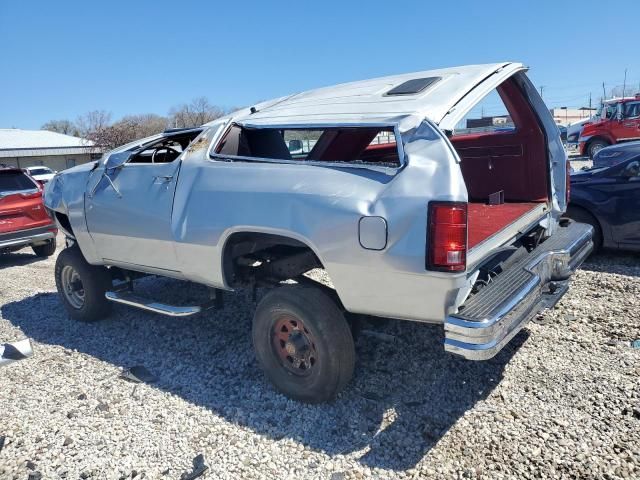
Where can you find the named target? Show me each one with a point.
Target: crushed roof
(369, 100)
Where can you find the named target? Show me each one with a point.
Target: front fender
(65, 194)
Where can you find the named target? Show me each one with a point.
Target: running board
(127, 298)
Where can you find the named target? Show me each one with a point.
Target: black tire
(595, 146)
(583, 216)
(329, 343)
(45, 250)
(94, 282)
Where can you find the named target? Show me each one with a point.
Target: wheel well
(585, 213)
(602, 139)
(255, 257)
(64, 223)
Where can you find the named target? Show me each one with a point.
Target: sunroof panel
(413, 86)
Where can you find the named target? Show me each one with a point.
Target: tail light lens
(28, 196)
(447, 242)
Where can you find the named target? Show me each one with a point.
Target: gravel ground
(561, 401)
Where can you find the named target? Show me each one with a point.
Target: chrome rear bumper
(491, 318)
(27, 237)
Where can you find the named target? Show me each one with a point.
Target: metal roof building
(26, 148)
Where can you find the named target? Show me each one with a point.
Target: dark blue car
(621, 152)
(608, 198)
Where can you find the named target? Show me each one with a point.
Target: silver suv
(412, 216)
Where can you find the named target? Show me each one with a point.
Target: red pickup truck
(618, 121)
(23, 219)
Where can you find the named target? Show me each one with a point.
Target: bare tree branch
(61, 126)
(198, 112)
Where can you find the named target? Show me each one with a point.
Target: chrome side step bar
(127, 298)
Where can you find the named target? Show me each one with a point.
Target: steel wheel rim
(596, 148)
(294, 346)
(72, 287)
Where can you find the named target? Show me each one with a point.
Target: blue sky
(60, 59)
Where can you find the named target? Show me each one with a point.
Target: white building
(566, 116)
(26, 148)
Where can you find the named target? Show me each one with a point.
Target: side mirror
(295, 145)
(117, 160)
(631, 170)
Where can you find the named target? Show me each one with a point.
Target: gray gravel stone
(558, 402)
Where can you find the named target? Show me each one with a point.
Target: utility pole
(624, 84)
(589, 102)
(541, 90)
(604, 92)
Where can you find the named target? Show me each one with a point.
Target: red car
(617, 121)
(24, 221)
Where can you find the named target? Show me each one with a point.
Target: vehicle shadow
(611, 261)
(406, 393)
(20, 258)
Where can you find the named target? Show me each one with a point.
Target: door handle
(164, 178)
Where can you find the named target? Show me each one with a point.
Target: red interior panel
(486, 220)
(515, 162)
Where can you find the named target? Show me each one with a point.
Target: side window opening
(365, 145)
(165, 150)
(631, 110)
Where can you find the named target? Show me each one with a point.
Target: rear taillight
(447, 242)
(28, 196)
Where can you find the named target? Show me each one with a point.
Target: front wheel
(303, 343)
(82, 286)
(595, 146)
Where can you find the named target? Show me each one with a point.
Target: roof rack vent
(413, 86)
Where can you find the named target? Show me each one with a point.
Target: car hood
(71, 181)
(584, 175)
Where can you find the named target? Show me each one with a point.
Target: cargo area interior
(505, 171)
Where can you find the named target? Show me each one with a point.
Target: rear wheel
(82, 286)
(45, 250)
(595, 146)
(583, 216)
(303, 343)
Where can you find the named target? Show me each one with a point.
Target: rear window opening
(504, 163)
(15, 181)
(502, 148)
(348, 145)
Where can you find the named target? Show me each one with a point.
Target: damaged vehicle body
(375, 182)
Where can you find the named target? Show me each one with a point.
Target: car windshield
(40, 171)
(14, 181)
